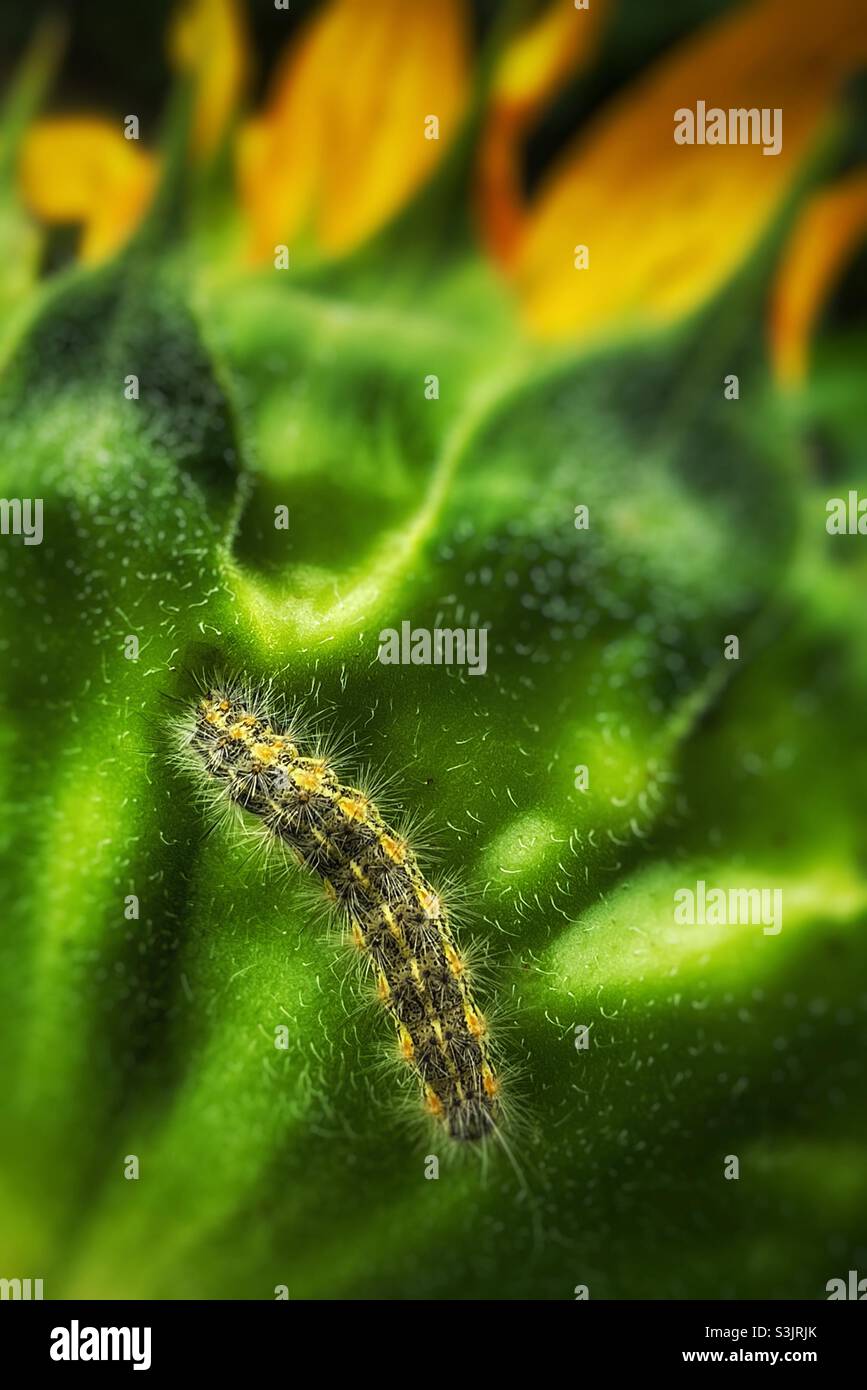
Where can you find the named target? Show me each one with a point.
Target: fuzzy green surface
(155, 1038)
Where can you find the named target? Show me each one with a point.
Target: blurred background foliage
(259, 388)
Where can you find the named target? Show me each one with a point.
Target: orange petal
(208, 39)
(82, 169)
(341, 147)
(829, 231)
(531, 69)
(666, 224)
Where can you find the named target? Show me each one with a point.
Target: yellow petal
(279, 156)
(208, 39)
(827, 234)
(341, 147)
(560, 42)
(666, 224)
(82, 169)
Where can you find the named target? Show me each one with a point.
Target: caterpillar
(394, 916)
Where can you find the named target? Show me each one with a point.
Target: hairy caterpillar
(370, 874)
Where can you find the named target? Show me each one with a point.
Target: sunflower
(437, 327)
(368, 103)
